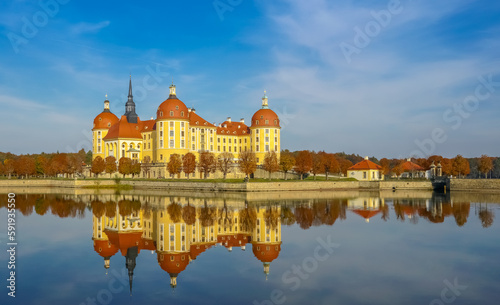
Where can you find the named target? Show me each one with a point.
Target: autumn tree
(287, 162)
(225, 163)
(174, 165)
(270, 164)
(59, 164)
(460, 166)
(2, 169)
(207, 163)
(110, 163)
(248, 162)
(41, 164)
(303, 163)
(398, 169)
(135, 168)
(25, 166)
(146, 166)
(344, 164)
(189, 164)
(386, 166)
(329, 163)
(485, 165)
(98, 166)
(125, 166)
(317, 164)
(75, 163)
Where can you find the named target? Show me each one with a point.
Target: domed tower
(265, 131)
(102, 123)
(172, 126)
(266, 237)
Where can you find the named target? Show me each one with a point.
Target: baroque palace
(178, 129)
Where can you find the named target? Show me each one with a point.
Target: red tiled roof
(265, 114)
(365, 165)
(125, 130)
(409, 166)
(174, 105)
(148, 125)
(233, 128)
(196, 120)
(105, 120)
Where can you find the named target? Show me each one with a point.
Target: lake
(137, 247)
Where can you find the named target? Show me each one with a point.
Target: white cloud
(86, 27)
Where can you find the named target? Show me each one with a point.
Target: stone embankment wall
(475, 185)
(234, 187)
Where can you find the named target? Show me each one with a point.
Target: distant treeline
(303, 162)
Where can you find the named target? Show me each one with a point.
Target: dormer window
(275, 122)
(261, 116)
(109, 124)
(100, 119)
(171, 113)
(182, 113)
(267, 122)
(176, 107)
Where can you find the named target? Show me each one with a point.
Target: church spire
(130, 105)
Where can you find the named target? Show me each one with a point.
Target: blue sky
(410, 83)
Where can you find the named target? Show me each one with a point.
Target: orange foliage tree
(330, 163)
(189, 164)
(460, 166)
(98, 166)
(25, 166)
(303, 163)
(248, 162)
(110, 163)
(207, 163)
(287, 162)
(225, 163)
(125, 166)
(485, 165)
(174, 165)
(270, 164)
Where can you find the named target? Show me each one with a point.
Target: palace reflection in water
(179, 229)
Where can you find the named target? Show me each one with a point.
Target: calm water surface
(272, 248)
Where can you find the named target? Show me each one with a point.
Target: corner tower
(265, 130)
(102, 123)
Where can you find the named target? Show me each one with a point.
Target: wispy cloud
(20, 103)
(85, 27)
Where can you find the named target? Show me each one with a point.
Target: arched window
(182, 113)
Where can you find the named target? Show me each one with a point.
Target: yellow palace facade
(178, 129)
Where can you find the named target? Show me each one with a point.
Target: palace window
(193, 148)
(161, 143)
(267, 130)
(161, 133)
(267, 139)
(171, 133)
(182, 123)
(267, 147)
(257, 149)
(182, 133)
(229, 148)
(171, 143)
(171, 124)
(182, 143)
